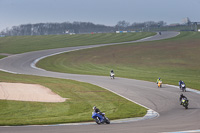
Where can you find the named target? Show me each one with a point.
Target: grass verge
(78, 108)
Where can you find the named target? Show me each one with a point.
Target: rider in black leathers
(181, 97)
(96, 110)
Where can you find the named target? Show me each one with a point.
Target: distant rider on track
(159, 79)
(112, 74)
(180, 82)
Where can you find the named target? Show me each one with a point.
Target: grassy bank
(171, 59)
(78, 108)
(21, 44)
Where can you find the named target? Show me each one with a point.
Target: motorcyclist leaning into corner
(159, 79)
(181, 97)
(96, 110)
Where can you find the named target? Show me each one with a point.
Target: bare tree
(122, 25)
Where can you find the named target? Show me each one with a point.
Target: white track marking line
(190, 131)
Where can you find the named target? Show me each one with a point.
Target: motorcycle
(159, 84)
(112, 75)
(100, 118)
(183, 87)
(185, 103)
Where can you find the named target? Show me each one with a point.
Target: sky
(106, 12)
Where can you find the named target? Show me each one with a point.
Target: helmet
(181, 95)
(159, 78)
(94, 107)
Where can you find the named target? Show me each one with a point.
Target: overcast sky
(107, 12)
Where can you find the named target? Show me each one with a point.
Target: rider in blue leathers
(180, 82)
(98, 113)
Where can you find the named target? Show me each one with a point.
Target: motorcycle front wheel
(97, 120)
(107, 121)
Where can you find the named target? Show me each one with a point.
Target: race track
(165, 101)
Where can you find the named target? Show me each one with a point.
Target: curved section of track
(173, 117)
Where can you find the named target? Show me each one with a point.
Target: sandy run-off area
(28, 92)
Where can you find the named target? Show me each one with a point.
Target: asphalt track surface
(165, 100)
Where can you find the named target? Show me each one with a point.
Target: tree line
(78, 28)
(55, 29)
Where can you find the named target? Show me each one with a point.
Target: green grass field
(172, 59)
(82, 96)
(78, 108)
(1, 56)
(21, 44)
